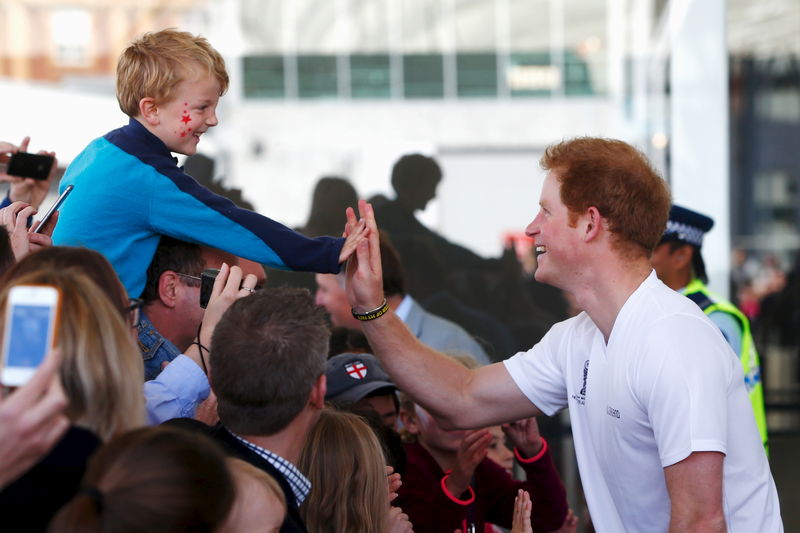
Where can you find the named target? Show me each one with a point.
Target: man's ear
(409, 420)
(682, 257)
(148, 109)
(318, 391)
(593, 222)
(168, 288)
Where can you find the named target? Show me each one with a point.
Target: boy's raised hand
(354, 232)
(364, 285)
(524, 435)
(474, 448)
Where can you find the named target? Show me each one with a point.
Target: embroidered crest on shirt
(580, 397)
(356, 370)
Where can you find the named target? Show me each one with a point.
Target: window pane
(477, 75)
(370, 76)
(423, 76)
(530, 74)
(577, 79)
(316, 77)
(263, 77)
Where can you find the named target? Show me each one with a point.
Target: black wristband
(372, 315)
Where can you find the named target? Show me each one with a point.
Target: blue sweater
(129, 191)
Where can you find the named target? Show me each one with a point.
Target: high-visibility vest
(710, 303)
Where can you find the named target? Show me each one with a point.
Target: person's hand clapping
(521, 522)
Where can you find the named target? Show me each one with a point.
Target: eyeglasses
(196, 280)
(135, 311)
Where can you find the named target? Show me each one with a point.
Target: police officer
(679, 264)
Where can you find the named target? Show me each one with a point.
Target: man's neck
(679, 281)
(603, 291)
(288, 443)
(167, 326)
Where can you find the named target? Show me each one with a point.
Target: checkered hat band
(690, 234)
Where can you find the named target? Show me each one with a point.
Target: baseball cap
(353, 376)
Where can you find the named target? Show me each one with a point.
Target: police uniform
(689, 226)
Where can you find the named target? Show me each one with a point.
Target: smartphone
(53, 208)
(207, 278)
(30, 331)
(25, 165)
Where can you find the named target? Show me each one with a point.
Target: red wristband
(535, 457)
(450, 495)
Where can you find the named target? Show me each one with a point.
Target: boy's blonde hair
(153, 66)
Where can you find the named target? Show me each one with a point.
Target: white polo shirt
(666, 384)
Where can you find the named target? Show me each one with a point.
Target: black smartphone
(25, 165)
(207, 278)
(53, 208)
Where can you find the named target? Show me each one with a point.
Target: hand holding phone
(27, 165)
(53, 209)
(30, 331)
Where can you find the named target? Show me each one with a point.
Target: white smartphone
(30, 331)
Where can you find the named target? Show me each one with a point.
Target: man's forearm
(434, 380)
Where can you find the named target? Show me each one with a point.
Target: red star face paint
(196, 106)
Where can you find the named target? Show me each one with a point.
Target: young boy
(450, 484)
(129, 189)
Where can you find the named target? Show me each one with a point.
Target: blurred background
(708, 89)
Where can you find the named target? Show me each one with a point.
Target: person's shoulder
(653, 303)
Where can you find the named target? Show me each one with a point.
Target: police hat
(687, 226)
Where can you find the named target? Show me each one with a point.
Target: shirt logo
(581, 396)
(612, 412)
(356, 370)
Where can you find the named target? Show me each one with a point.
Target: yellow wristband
(372, 315)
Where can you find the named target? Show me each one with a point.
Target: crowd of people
(185, 391)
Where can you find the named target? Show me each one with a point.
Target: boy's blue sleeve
(129, 191)
(182, 208)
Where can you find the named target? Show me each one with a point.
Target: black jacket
(231, 445)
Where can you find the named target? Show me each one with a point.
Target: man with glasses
(171, 312)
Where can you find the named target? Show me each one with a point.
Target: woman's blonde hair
(344, 461)
(246, 477)
(101, 367)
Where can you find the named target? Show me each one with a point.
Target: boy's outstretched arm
(456, 396)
